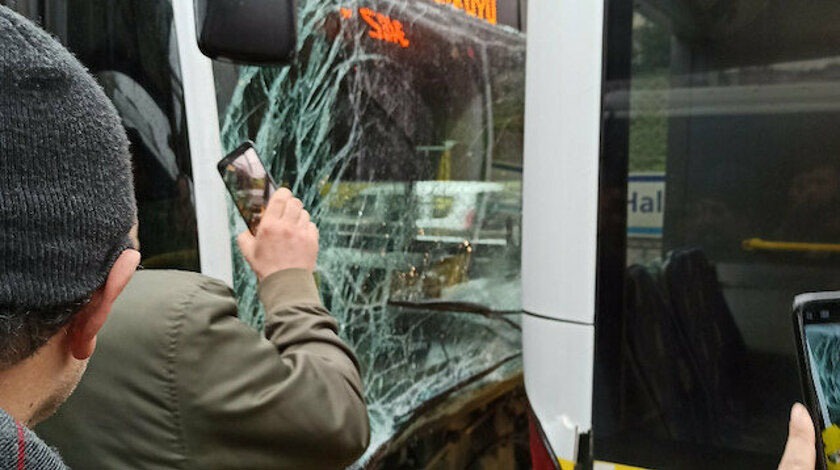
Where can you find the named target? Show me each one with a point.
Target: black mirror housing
(253, 32)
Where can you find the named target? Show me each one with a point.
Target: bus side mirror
(254, 32)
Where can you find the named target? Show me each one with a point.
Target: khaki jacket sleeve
(292, 401)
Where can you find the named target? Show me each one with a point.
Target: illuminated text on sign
(484, 9)
(382, 27)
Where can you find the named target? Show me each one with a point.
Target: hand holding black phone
(816, 319)
(248, 182)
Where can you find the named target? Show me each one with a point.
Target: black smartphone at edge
(248, 183)
(809, 309)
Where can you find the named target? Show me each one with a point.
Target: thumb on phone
(800, 451)
(246, 242)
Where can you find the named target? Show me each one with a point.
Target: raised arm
(294, 400)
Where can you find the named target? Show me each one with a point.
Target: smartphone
(248, 182)
(816, 320)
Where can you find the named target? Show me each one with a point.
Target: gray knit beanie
(66, 190)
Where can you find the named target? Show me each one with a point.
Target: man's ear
(88, 321)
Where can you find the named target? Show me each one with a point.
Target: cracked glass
(399, 125)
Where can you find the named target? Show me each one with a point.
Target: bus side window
(136, 62)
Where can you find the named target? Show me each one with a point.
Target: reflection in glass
(406, 149)
(130, 47)
(732, 177)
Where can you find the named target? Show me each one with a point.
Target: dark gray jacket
(178, 382)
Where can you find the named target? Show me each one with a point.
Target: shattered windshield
(400, 127)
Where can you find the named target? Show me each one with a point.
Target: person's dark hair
(24, 331)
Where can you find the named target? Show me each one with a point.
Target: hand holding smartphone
(291, 242)
(816, 321)
(248, 182)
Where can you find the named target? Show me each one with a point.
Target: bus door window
(730, 163)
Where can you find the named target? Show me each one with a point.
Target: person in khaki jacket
(179, 382)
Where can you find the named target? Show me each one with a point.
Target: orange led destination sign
(483, 9)
(382, 27)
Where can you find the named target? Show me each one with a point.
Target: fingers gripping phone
(248, 182)
(816, 319)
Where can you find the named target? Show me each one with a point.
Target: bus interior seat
(671, 405)
(708, 328)
(676, 318)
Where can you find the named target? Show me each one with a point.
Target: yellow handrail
(757, 244)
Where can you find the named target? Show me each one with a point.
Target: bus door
(719, 201)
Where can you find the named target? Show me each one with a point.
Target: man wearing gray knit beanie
(66, 208)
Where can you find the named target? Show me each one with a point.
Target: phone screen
(248, 182)
(821, 325)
